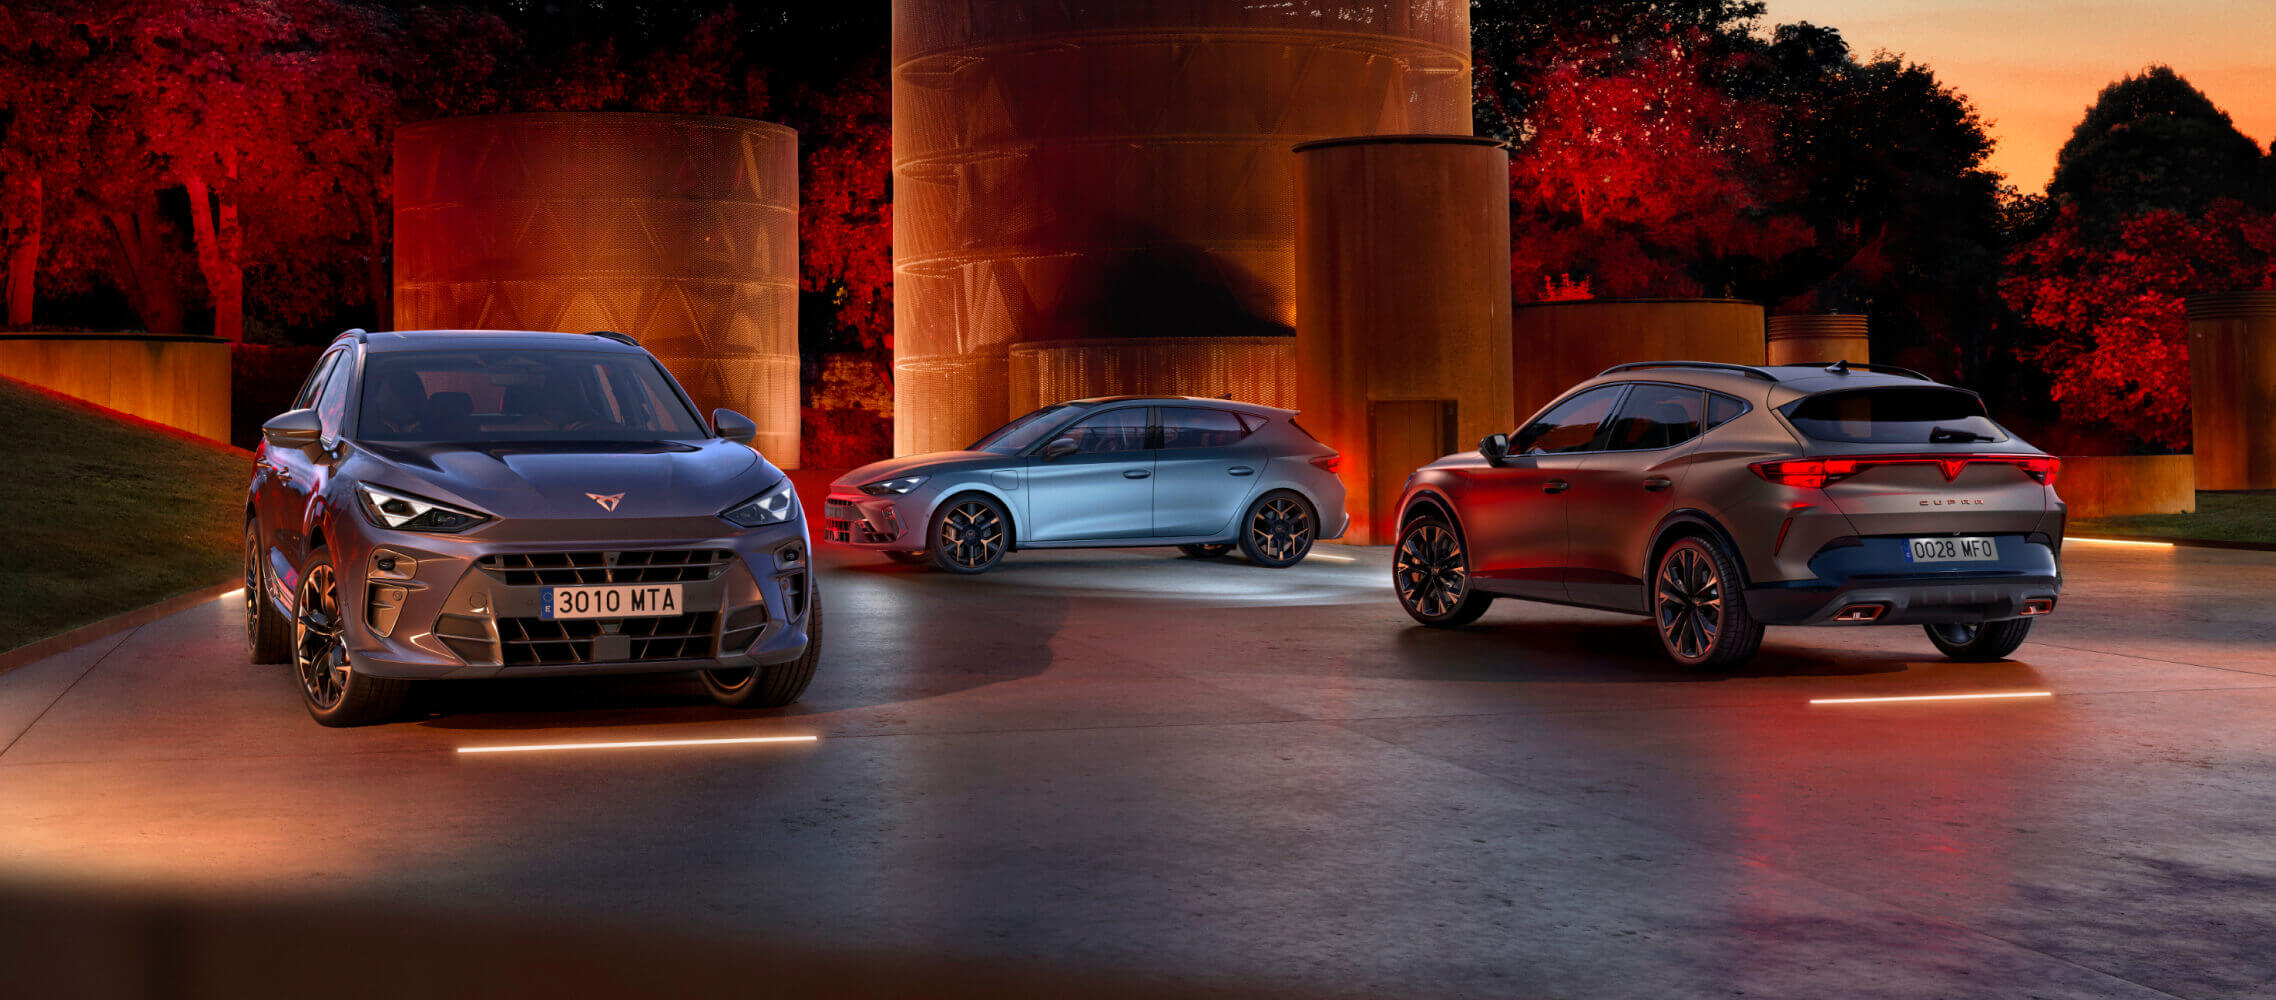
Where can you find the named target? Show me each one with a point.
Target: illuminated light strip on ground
(232, 595)
(2121, 541)
(639, 744)
(1935, 697)
(1329, 558)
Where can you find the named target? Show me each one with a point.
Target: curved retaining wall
(1560, 343)
(1249, 369)
(1819, 338)
(681, 230)
(2119, 485)
(182, 382)
(2232, 400)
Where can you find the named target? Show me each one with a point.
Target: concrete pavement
(1130, 766)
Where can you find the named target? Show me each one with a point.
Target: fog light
(1860, 612)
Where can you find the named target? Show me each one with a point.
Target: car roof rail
(357, 332)
(1845, 366)
(1749, 371)
(621, 338)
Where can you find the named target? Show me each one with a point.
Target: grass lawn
(105, 514)
(2220, 517)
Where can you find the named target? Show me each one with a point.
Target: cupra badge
(607, 502)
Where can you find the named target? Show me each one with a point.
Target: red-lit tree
(2111, 308)
(1633, 173)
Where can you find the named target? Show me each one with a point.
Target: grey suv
(462, 504)
(1717, 499)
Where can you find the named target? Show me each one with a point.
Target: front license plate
(1935, 550)
(644, 600)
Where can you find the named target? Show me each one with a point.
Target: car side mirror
(1061, 448)
(1495, 447)
(293, 429)
(734, 426)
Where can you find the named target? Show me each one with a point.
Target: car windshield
(521, 395)
(1023, 432)
(1894, 415)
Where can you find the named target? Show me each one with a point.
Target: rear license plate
(1936, 550)
(615, 601)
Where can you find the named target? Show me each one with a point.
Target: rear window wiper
(1953, 435)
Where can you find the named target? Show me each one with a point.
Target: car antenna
(1840, 367)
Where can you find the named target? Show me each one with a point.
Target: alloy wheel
(319, 650)
(1281, 529)
(252, 589)
(1432, 572)
(1689, 603)
(972, 535)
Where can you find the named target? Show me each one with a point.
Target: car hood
(921, 465)
(573, 479)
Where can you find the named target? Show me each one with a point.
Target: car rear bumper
(1872, 571)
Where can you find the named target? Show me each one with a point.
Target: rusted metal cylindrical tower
(680, 230)
(1817, 338)
(1254, 369)
(1561, 343)
(2232, 362)
(1121, 168)
(1402, 307)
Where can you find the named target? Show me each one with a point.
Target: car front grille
(843, 521)
(526, 641)
(532, 569)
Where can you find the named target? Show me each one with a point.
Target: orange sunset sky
(2032, 66)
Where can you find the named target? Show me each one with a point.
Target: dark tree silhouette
(2152, 141)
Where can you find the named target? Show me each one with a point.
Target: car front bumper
(870, 522)
(467, 607)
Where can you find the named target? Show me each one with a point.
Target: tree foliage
(2152, 141)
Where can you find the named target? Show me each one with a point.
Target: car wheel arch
(1011, 516)
(1690, 523)
(1429, 501)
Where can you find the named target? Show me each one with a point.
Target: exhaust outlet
(1860, 612)
(2038, 606)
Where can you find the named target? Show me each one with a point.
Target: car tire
(335, 694)
(1216, 550)
(1698, 607)
(1430, 571)
(776, 685)
(1278, 530)
(1979, 643)
(268, 636)
(907, 558)
(969, 534)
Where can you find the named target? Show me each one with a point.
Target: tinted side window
(1110, 432)
(1570, 425)
(315, 383)
(1722, 409)
(1656, 416)
(1195, 427)
(332, 400)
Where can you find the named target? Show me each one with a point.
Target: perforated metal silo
(1817, 338)
(2232, 401)
(1122, 168)
(680, 230)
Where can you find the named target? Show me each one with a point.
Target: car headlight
(893, 487)
(778, 505)
(404, 512)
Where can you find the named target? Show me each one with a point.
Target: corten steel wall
(1121, 168)
(1822, 338)
(1402, 295)
(182, 382)
(681, 230)
(2119, 485)
(1254, 369)
(1561, 343)
(2232, 361)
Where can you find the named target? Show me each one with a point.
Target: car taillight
(1330, 464)
(1818, 472)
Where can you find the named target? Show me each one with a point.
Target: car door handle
(1555, 486)
(1658, 483)
(1136, 473)
(1240, 470)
